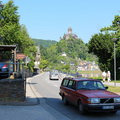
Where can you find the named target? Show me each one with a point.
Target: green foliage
(102, 46)
(31, 65)
(12, 33)
(74, 49)
(66, 67)
(9, 24)
(44, 43)
(62, 67)
(115, 89)
(43, 52)
(115, 27)
(52, 54)
(43, 64)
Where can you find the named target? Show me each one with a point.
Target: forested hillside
(44, 43)
(75, 50)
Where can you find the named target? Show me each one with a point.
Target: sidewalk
(34, 108)
(112, 84)
(31, 94)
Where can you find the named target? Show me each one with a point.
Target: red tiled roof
(20, 56)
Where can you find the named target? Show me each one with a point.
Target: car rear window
(72, 84)
(65, 82)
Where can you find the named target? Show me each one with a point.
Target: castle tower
(69, 34)
(69, 30)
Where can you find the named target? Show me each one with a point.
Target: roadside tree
(101, 45)
(43, 64)
(12, 33)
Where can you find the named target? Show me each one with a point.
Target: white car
(54, 75)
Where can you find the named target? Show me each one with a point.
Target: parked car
(54, 75)
(3, 69)
(89, 95)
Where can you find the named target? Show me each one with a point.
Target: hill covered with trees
(44, 43)
(74, 50)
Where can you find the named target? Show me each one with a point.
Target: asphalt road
(51, 101)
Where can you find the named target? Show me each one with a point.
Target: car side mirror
(106, 87)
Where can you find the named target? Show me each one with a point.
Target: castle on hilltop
(69, 35)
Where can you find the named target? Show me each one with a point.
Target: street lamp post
(114, 40)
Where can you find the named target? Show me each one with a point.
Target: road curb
(34, 91)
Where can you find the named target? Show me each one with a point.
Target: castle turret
(70, 34)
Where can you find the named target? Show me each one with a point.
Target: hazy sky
(50, 19)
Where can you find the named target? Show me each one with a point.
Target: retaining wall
(12, 90)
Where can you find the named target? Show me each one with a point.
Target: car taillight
(5, 66)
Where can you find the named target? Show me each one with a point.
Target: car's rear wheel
(81, 108)
(65, 102)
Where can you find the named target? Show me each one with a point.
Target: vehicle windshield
(54, 72)
(90, 85)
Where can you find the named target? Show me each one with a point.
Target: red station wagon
(89, 95)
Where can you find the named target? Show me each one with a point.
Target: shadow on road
(72, 112)
(31, 83)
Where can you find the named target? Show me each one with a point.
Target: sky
(50, 19)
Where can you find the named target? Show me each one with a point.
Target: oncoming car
(54, 75)
(89, 95)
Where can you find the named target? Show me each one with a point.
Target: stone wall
(12, 90)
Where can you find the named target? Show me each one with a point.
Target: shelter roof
(7, 47)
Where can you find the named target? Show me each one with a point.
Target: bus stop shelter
(12, 49)
(11, 90)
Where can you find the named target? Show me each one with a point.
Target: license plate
(108, 107)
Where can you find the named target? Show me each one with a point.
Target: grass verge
(115, 89)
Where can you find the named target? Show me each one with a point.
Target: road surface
(51, 101)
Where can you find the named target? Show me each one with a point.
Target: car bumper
(4, 74)
(54, 78)
(102, 107)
